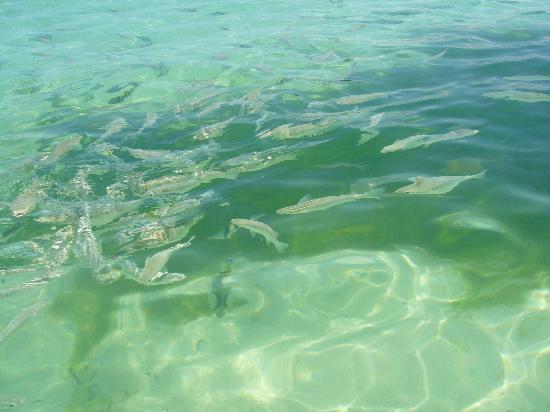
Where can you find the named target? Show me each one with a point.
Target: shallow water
(128, 129)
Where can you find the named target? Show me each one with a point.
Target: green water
(127, 129)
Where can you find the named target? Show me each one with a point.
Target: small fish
(114, 127)
(519, 96)
(62, 148)
(21, 318)
(7, 401)
(160, 155)
(154, 264)
(288, 131)
(213, 130)
(27, 200)
(473, 221)
(150, 120)
(253, 226)
(86, 246)
(185, 183)
(359, 98)
(426, 140)
(327, 202)
(436, 185)
(529, 78)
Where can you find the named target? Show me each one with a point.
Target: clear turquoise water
(407, 302)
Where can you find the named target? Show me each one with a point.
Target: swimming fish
(184, 183)
(520, 96)
(61, 148)
(213, 130)
(86, 246)
(29, 197)
(21, 318)
(359, 98)
(8, 401)
(427, 139)
(436, 185)
(327, 202)
(469, 220)
(150, 120)
(528, 78)
(288, 131)
(114, 127)
(253, 226)
(154, 264)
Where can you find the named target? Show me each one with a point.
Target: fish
(359, 98)
(155, 263)
(519, 96)
(289, 131)
(470, 220)
(253, 162)
(327, 202)
(160, 155)
(160, 232)
(425, 140)
(150, 119)
(86, 246)
(26, 285)
(114, 127)
(213, 130)
(254, 226)
(436, 185)
(29, 197)
(528, 78)
(62, 148)
(8, 401)
(22, 317)
(184, 183)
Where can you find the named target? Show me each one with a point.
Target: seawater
(406, 302)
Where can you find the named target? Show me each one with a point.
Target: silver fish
(520, 96)
(21, 318)
(27, 200)
(436, 185)
(155, 263)
(327, 202)
(8, 401)
(426, 140)
(213, 130)
(86, 246)
(184, 183)
(289, 131)
(150, 120)
(469, 220)
(61, 148)
(359, 98)
(529, 78)
(253, 226)
(114, 127)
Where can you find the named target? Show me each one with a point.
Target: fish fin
(280, 246)
(304, 198)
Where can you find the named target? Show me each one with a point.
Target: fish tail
(480, 174)
(280, 246)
